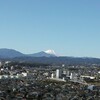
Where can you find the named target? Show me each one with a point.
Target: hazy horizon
(70, 28)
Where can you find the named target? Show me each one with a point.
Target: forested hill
(60, 60)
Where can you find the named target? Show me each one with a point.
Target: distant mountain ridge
(46, 57)
(11, 53)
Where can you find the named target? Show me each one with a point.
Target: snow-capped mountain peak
(50, 52)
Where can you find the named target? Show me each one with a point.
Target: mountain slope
(10, 53)
(42, 54)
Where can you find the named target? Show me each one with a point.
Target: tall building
(58, 76)
(73, 76)
(68, 73)
(57, 73)
(0, 64)
(52, 75)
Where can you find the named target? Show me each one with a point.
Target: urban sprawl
(21, 81)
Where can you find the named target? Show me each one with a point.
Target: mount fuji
(48, 53)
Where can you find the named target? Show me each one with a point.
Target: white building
(57, 73)
(68, 74)
(24, 74)
(64, 72)
(57, 76)
(0, 64)
(73, 76)
(52, 75)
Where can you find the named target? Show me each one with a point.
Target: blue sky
(70, 27)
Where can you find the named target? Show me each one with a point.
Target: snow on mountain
(52, 52)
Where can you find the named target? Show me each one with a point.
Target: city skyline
(71, 28)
